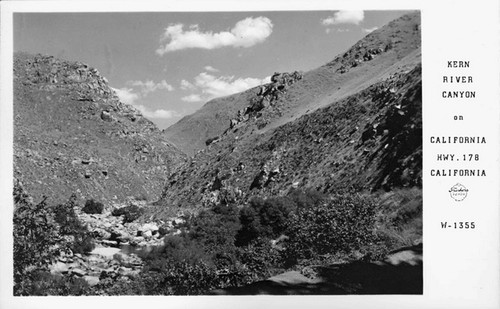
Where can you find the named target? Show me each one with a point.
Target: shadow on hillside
(385, 277)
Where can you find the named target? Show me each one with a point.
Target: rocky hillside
(382, 53)
(73, 135)
(353, 124)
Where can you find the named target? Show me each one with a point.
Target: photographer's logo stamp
(458, 192)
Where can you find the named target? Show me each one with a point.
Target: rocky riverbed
(115, 257)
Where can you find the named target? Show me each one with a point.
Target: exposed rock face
(386, 51)
(369, 141)
(73, 135)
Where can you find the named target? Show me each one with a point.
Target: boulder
(106, 116)
(59, 267)
(149, 227)
(91, 280)
(147, 234)
(78, 272)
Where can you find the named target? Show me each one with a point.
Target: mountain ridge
(312, 135)
(383, 52)
(73, 135)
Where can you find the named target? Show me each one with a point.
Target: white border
(461, 269)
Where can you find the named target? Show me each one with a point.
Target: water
(137, 250)
(107, 252)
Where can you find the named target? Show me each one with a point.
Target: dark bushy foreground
(221, 247)
(227, 246)
(41, 233)
(342, 224)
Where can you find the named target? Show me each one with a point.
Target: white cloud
(211, 69)
(214, 87)
(369, 30)
(245, 33)
(150, 86)
(210, 86)
(128, 96)
(158, 113)
(328, 30)
(344, 17)
(185, 85)
(192, 98)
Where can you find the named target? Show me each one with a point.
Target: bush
(215, 229)
(70, 225)
(259, 258)
(343, 224)
(39, 237)
(93, 207)
(42, 283)
(182, 278)
(178, 248)
(129, 213)
(35, 236)
(305, 198)
(264, 218)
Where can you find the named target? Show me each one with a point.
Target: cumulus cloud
(344, 17)
(185, 85)
(369, 30)
(128, 96)
(245, 33)
(208, 86)
(213, 86)
(192, 98)
(158, 113)
(150, 86)
(211, 69)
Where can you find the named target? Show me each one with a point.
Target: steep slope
(191, 132)
(390, 49)
(364, 136)
(73, 135)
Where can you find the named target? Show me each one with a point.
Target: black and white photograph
(217, 153)
(239, 152)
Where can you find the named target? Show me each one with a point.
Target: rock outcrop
(73, 135)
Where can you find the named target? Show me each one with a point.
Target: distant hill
(73, 135)
(390, 49)
(353, 124)
(191, 132)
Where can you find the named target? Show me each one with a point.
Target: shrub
(39, 237)
(343, 224)
(305, 198)
(42, 283)
(70, 225)
(215, 229)
(129, 213)
(259, 258)
(264, 218)
(93, 207)
(177, 248)
(182, 278)
(35, 236)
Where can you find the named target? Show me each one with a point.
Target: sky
(169, 64)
